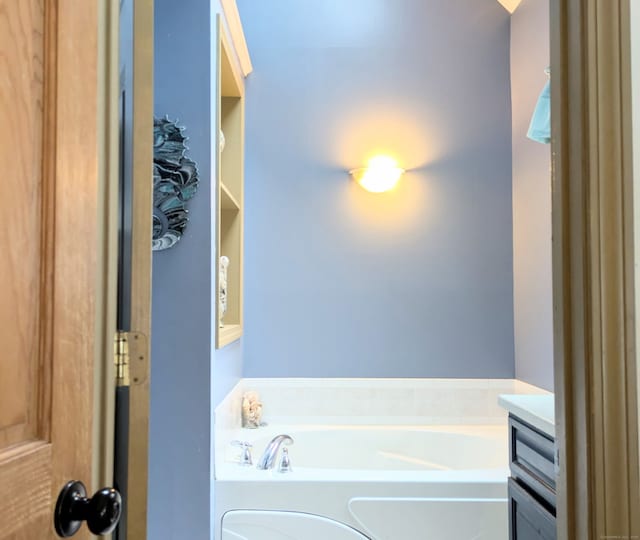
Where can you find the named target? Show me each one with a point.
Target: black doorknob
(101, 512)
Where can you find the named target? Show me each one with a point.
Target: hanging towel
(540, 126)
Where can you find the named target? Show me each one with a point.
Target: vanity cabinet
(532, 485)
(528, 519)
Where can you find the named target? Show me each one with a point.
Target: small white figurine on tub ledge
(222, 301)
(251, 410)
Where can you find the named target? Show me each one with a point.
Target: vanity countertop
(535, 409)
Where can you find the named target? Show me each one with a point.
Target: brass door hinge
(121, 358)
(130, 354)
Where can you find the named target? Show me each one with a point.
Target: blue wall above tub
(343, 283)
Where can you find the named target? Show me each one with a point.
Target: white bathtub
(355, 479)
(355, 452)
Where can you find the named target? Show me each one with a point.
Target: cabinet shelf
(228, 334)
(227, 200)
(229, 208)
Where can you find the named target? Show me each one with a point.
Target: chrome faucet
(271, 451)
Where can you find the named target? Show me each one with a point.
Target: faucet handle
(245, 456)
(285, 462)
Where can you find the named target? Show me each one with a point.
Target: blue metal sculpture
(175, 181)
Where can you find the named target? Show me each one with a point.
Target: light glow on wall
(381, 174)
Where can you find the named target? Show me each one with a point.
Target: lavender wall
(533, 302)
(179, 453)
(189, 377)
(343, 283)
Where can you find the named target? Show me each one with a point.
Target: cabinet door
(531, 458)
(528, 518)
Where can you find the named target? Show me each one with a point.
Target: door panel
(48, 272)
(21, 30)
(26, 470)
(25, 410)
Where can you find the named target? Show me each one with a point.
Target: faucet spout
(269, 456)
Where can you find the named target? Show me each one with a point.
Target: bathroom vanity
(532, 484)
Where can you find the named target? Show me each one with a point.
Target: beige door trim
(107, 242)
(107, 247)
(141, 233)
(593, 271)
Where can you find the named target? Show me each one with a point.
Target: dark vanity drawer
(529, 519)
(531, 458)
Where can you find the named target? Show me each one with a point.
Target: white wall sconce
(381, 174)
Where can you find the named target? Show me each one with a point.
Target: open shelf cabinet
(230, 188)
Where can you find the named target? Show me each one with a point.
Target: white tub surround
(536, 410)
(382, 458)
(373, 401)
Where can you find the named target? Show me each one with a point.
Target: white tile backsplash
(373, 401)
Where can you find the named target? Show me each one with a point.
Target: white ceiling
(510, 5)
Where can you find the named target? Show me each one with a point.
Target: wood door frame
(593, 270)
(107, 243)
(141, 268)
(108, 252)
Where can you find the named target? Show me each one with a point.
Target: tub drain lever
(245, 457)
(285, 462)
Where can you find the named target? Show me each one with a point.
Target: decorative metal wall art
(175, 181)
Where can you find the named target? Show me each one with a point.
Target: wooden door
(598, 486)
(49, 237)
